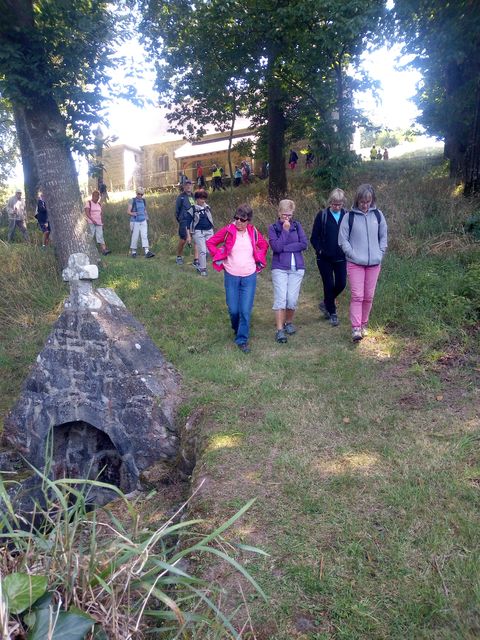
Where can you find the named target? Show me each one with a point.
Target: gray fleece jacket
(367, 243)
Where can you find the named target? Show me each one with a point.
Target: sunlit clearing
(159, 295)
(224, 442)
(379, 345)
(357, 462)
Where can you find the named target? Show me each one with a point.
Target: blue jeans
(240, 294)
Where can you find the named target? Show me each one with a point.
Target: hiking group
(347, 245)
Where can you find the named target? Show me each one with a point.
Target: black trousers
(334, 278)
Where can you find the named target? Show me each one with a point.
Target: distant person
(309, 157)
(385, 154)
(379, 154)
(17, 216)
(363, 239)
(240, 250)
(292, 159)
(42, 219)
(287, 240)
(373, 153)
(137, 210)
(93, 212)
(200, 178)
(102, 187)
(237, 176)
(331, 261)
(201, 228)
(216, 178)
(185, 201)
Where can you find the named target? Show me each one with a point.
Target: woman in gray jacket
(363, 239)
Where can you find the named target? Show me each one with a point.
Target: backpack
(134, 204)
(351, 217)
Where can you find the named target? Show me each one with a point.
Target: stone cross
(80, 274)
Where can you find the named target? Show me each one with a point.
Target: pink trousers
(362, 281)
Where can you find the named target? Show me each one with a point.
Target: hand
(286, 224)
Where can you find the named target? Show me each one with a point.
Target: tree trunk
(277, 183)
(229, 152)
(30, 172)
(472, 161)
(58, 179)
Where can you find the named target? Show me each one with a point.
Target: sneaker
(281, 336)
(196, 265)
(365, 331)
(106, 252)
(323, 309)
(179, 260)
(334, 320)
(357, 334)
(134, 254)
(290, 328)
(244, 347)
(202, 272)
(149, 254)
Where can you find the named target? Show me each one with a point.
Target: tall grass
(84, 574)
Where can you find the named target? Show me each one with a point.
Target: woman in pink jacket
(240, 251)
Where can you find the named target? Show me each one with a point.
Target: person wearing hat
(17, 216)
(137, 210)
(185, 202)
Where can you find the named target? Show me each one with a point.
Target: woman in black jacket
(330, 258)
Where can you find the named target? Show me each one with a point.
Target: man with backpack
(185, 201)
(137, 210)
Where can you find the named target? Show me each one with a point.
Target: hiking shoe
(179, 260)
(196, 265)
(203, 272)
(244, 347)
(334, 320)
(323, 309)
(281, 336)
(134, 254)
(365, 331)
(357, 334)
(106, 252)
(149, 254)
(290, 328)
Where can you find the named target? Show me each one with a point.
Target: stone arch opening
(80, 450)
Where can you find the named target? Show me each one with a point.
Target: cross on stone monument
(80, 274)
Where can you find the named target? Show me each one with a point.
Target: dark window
(163, 163)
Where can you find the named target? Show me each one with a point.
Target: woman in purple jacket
(288, 240)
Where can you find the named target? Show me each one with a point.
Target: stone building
(160, 164)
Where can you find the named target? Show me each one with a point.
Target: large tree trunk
(30, 172)
(277, 184)
(58, 179)
(472, 161)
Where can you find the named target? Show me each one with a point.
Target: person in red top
(200, 178)
(93, 211)
(240, 250)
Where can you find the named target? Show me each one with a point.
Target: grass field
(363, 459)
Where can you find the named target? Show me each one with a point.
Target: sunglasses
(240, 219)
(139, 194)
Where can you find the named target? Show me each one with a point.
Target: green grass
(364, 460)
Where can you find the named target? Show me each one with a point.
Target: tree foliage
(277, 61)
(53, 61)
(8, 143)
(443, 37)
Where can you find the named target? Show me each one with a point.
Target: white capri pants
(139, 229)
(286, 288)
(200, 239)
(96, 231)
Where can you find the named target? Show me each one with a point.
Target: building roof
(190, 149)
